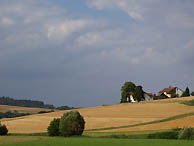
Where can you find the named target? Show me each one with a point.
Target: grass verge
(189, 103)
(83, 141)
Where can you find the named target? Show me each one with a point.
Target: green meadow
(85, 141)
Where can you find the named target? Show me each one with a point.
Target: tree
(3, 130)
(139, 93)
(71, 123)
(126, 89)
(186, 93)
(192, 93)
(53, 128)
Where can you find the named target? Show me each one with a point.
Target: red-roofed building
(171, 91)
(148, 96)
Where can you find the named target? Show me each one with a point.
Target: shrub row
(185, 133)
(164, 135)
(14, 114)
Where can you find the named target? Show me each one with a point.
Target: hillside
(5, 108)
(115, 116)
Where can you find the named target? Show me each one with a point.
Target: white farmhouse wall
(132, 99)
(179, 92)
(147, 97)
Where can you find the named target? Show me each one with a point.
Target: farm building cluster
(165, 93)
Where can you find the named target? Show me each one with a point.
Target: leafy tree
(126, 89)
(3, 130)
(53, 128)
(186, 93)
(192, 93)
(139, 93)
(71, 123)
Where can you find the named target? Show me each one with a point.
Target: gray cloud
(47, 54)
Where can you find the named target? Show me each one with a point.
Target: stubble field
(113, 116)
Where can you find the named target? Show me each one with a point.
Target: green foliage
(71, 123)
(65, 108)
(3, 130)
(164, 135)
(192, 93)
(186, 93)
(24, 103)
(10, 114)
(186, 133)
(53, 128)
(174, 95)
(44, 112)
(126, 89)
(139, 94)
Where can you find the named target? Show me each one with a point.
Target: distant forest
(30, 103)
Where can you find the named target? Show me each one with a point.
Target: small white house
(132, 99)
(179, 92)
(148, 96)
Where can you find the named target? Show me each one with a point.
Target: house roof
(149, 94)
(167, 90)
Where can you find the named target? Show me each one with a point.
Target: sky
(80, 52)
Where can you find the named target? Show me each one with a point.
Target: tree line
(30, 103)
(24, 103)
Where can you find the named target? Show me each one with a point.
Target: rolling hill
(153, 115)
(5, 108)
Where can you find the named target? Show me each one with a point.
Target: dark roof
(167, 90)
(149, 94)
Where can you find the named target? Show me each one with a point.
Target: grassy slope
(46, 141)
(121, 115)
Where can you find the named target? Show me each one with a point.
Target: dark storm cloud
(49, 54)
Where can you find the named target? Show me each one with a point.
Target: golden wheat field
(111, 116)
(5, 108)
(179, 123)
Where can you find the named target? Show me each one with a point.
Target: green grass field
(84, 141)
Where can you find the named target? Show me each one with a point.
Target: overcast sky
(80, 52)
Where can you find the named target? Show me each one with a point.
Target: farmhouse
(147, 97)
(131, 97)
(171, 92)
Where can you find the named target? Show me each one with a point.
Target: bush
(3, 130)
(71, 123)
(186, 133)
(53, 128)
(164, 135)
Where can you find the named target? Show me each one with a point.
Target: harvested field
(179, 123)
(106, 116)
(5, 108)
